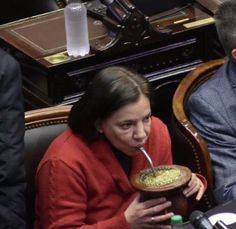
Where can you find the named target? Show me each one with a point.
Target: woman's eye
(147, 118)
(125, 126)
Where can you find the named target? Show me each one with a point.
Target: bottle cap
(176, 219)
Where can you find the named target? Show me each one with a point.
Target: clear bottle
(176, 221)
(76, 25)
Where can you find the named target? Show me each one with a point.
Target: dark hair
(111, 89)
(225, 20)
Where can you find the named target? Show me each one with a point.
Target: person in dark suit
(212, 108)
(12, 175)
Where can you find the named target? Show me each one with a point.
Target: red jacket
(84, 186)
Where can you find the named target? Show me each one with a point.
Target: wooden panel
(44, 35)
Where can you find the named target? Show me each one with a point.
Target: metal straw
(149, 159)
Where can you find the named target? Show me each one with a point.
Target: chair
(163, 94)
(41, 127)
(189, 148)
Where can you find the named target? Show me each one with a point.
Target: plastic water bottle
(176, 221)
(76, 25)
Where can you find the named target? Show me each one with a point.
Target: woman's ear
(233, 53)
(98, 127)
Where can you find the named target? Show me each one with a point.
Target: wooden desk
(51, 77)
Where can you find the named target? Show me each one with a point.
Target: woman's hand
(195, 185)
(148, 214)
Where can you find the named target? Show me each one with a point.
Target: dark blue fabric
(12, 175)
(212, 110)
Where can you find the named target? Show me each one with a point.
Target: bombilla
(149, 159)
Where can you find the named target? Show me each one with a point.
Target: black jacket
(12, 175)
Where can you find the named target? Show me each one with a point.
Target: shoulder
(212, 90)
(157, 123)
(7, 59)
(158, 128)
(159, 143)
(9, 69)
(217, 81)
(68, 148)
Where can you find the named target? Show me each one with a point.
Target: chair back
(41, 127)
(163, 94)
(189, 148)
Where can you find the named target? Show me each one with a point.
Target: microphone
(116, 9)
(220, 225)
(199, 220)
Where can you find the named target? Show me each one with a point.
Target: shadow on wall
(163, 94)
(12, 10)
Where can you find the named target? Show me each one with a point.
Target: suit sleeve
(221, 141)
(12, 185)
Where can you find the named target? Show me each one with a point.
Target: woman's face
(128, 128)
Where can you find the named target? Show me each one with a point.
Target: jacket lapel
(105, 155)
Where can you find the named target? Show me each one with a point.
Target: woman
(83, 179)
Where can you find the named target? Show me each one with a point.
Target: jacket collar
(104, 153)
(231, 73)
(109, 160)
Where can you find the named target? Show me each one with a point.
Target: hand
(194, 185)
(148, 214)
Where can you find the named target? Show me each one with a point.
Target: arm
(62, 202)
(62, 199)
(220, 137)
(12, 185)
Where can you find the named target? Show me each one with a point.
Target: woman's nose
(140, 132)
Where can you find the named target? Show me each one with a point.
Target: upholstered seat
(188, 146)
(41, 127)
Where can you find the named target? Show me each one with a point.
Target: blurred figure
(83, 180)
(12, 176)
(212, 108)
